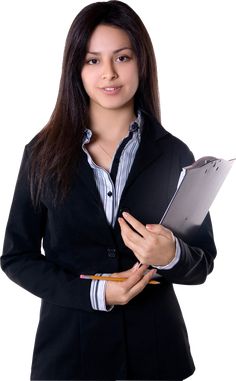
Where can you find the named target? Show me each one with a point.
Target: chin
(114, 105)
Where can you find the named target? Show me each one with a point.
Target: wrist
(175, 259)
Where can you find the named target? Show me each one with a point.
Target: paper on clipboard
(197, 188)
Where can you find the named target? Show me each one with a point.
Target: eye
(123, 58)
(92, 61)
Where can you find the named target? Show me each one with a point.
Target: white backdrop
(194, 42)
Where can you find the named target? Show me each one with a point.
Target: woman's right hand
(122, 292)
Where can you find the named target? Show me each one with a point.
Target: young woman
(104, 152)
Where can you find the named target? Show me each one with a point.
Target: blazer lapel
(147, 151)
(86, 175)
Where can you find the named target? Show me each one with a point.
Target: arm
(22, 260)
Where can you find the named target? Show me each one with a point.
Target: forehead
(107, 37)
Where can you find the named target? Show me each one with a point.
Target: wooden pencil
(115, 279)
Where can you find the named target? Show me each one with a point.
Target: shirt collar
(136, 125)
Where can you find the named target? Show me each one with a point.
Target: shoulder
(32, 143)
(179, 146)
(27, 155)
(178, 149)
(180, 152)
(33, 148)
(170, 143)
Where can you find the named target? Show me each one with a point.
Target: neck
(110, 125)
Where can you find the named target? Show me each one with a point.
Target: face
(110, 71)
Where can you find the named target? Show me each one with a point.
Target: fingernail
(151, 271)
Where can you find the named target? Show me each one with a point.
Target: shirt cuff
(97, 294)
(174, 261)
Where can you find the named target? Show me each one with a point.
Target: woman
(104, 152)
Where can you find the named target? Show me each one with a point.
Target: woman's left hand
(154, 245)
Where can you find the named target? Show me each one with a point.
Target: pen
(116, 279)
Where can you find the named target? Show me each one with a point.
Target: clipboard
(197, 188)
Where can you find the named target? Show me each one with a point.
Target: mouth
(111, 90)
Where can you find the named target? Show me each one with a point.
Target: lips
(111, 90)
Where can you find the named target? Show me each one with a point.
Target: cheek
(133, 77)
(88, 78)
(134, 85)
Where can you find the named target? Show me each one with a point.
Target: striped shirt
(110, 186)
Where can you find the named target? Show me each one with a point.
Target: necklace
(104, 150)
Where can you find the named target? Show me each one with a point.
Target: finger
(137, 225)
(135, 277)
(130, 238)
(160, 230)
(141, 284)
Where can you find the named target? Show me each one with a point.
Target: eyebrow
(115, 51)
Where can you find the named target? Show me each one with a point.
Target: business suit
(145, 339)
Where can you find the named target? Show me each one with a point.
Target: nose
(109, 72)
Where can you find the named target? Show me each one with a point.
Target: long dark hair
(55, 149)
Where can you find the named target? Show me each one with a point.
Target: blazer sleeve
(196, 261)
(22, 260)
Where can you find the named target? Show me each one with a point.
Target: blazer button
(111, 253)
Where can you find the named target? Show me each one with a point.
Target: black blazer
(145, 339)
